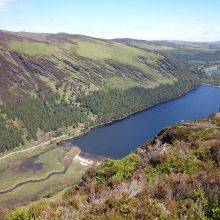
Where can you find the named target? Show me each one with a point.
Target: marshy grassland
(38, 172)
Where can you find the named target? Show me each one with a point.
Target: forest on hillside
(10, 136)
(113, 104)
(51, 112)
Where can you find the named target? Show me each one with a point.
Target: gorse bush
(20, 214)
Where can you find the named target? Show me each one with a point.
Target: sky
(188, 20)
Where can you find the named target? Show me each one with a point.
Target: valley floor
(38, 171)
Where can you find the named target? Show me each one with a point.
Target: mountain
(53, 83)
(199, 54)
(71, 64)
(216, 42)
(168, 44)
(174, 176)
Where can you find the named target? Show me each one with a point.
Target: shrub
(202, 135)
(19, 214)
(85, 198)
(216, 213)
(118, 169)
(188, 163)
(36, 209)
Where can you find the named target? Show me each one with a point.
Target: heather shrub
(36, 209)
(204, 134)
(19, 214)
(117, 169)
(177, 163)
(216, 213)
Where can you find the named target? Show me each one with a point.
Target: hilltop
(174, 176)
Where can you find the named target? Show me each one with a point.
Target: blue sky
(195, 20)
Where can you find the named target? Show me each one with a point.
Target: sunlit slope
(72, 64)
(193, 52)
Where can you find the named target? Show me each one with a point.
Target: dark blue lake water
(120, 138)
(214, 71)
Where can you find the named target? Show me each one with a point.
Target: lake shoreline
(82, 133)
(117, 140)
(68, 137)
(209, 84)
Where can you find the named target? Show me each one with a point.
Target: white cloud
(150, 32)
(22, 4)
(196, 31)
(4, 4)
(172, 32)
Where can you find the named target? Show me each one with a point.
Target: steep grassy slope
(70, 64)
(200, 56)
(193, 52)
(174, 176)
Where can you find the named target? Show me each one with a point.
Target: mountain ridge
(45, 61)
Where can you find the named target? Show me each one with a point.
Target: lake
(119, 138)
(214, 70)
